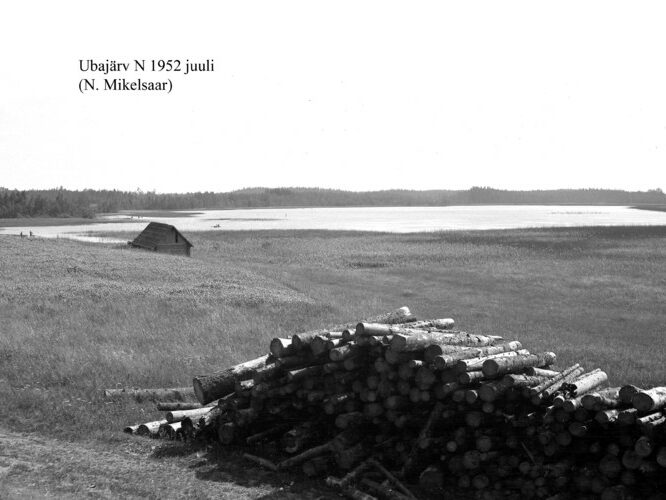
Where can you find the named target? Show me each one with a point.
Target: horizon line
(140, 190)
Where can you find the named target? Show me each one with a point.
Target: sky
(359, 95)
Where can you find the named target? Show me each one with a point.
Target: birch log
(213, 386)
(649, 400)
(176, 405)
(400, 315)
(500, 366)
(178, 415)
(442, 360)
(420, 340)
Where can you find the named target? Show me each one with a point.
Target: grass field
(77, 318)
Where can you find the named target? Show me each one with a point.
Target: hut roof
(156, 233)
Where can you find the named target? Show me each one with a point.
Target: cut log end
(199, 391)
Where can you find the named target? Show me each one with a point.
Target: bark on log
(305, 373)
(268, 373)
(586, 382)
(178, 415)
(444, 360)
(540, 372)
(400, 315)
(300, 360)
(550, 391)
(475, 364)
(649, 422)
(491, 391)
(419, 340)
(306, 455)
(175, 406)
(606, 399)
(493, 368)
(343, 352)
(213, 386)
(367, 328)
(211, 417)
(243, 387)
(150, 428)
(440, 323)
(553, 380)
(522, 380)
(470, 377)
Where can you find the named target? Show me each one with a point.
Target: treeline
(62, 202)
(46, 203)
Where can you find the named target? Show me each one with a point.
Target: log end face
(643, 402)
(398, 343)
(490, 368)
(199, 391)
(627, 393)
(296, 342)
(276, 347)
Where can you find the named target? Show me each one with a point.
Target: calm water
(392, 219)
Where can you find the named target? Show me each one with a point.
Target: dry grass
(77, 318)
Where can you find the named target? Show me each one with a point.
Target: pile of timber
(399, 408)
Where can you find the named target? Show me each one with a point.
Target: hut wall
(174, 248)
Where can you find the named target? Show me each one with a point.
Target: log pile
(401, 408)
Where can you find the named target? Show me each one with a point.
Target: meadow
(78, 318)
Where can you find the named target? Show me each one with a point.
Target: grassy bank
(51, 221)
(78, 318)
(655, 208)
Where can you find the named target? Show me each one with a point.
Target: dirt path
(33, 466)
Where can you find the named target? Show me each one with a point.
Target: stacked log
(400, 407)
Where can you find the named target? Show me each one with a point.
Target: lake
(390, 219)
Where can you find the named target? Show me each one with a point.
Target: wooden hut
(162, 238)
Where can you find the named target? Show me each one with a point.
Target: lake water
(391, 219)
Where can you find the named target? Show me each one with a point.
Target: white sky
(343, 94)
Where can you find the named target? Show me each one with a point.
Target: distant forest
(62, 202)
